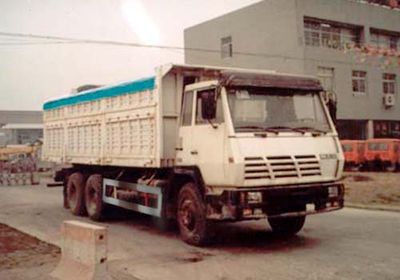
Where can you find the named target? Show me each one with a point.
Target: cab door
(201, 141)
(185, 135)
(208, 138)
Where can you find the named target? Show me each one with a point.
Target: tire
(65, 196)
(287, 226)
(191, 215)
(93, 197)
(75, 194)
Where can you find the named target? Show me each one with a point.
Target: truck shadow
(241, 237)
(244, 237)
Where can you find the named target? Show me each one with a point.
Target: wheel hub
(72, 196)
(92, 200)
(187, 215)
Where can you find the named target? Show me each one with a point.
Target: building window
(389, 83)
(385, 39)
(327, 34)
(226, 47)
(352, 129)
(326, 76)
(312, 34)
(388, 3)
(359, 82)
(387, 129)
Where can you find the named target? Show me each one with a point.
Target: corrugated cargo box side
(114, 125)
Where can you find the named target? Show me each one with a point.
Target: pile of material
(18, 164)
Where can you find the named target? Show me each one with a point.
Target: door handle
(194, 152)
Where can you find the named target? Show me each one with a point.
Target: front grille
(256, 168)
(308, 165)
(282, 166)
(276, 167)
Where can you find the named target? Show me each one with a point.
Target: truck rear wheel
(93, 197)
(191, 215)
(287, 226)
(75, 193)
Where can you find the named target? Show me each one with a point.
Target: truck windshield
(275, 110)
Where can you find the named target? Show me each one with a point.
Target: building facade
(20, 127)
(352, 46)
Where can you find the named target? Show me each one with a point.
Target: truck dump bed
(113, 125)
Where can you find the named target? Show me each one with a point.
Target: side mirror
(208, 104)
(332, 110)
(330, 101)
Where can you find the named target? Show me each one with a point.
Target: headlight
(254, 197)
(333, 191)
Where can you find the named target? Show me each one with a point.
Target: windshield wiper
(266, 129)
(249, 127)
(308, 128)
(296, 129)
(276, 129)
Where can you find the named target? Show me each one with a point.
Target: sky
(30, 73)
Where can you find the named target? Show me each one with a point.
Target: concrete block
(83, 252)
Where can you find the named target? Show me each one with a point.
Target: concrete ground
(348, 244)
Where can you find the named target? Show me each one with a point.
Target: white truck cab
(263, 141)
(248, 136)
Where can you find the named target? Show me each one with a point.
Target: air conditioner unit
(388, 100)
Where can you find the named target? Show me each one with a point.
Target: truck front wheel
(75, 193)
(94, 197)
(191, 215)
(287, 226)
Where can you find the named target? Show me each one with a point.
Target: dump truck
(199, 144)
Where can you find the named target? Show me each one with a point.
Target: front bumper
(279, 201)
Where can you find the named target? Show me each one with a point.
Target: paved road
(348, 244)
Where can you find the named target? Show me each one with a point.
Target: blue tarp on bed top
(104, 92)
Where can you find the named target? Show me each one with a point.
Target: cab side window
(219, 118)
(187, 108)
